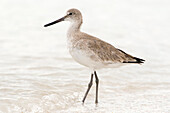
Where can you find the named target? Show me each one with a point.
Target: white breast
(84, 58)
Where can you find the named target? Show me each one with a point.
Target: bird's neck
(74, 27)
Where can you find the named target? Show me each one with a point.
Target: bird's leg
(97, 83)
(89, 86)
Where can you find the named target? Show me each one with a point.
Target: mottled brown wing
(107, 52)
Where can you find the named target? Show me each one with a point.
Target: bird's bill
(57, 21)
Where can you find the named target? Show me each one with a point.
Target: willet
(91, 51)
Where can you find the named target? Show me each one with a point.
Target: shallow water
(37, 74)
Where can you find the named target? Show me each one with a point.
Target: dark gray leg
(89, 86)
(97, 83)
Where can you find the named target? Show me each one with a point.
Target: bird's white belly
(83, 57)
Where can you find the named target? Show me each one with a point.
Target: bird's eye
(70, 13)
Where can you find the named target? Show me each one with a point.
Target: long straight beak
(57, 21)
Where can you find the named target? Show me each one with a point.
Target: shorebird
(90, 51)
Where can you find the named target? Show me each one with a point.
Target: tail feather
(132, 59)
(138, 60)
